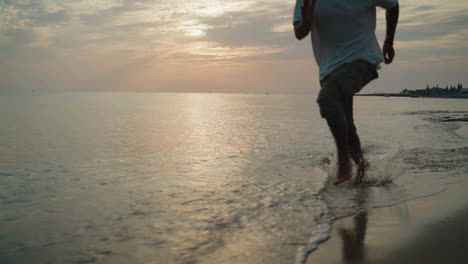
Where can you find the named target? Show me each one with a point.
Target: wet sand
(426, 230)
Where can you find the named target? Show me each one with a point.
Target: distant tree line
(435, 91)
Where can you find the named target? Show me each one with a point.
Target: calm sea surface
(203, 178)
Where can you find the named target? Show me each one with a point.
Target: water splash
(384, 169)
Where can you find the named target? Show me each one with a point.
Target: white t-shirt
(343, 31)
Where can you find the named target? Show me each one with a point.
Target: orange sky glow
(206, 45)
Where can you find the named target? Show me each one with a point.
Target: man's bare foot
(361, 170)
(344, 172)
(343, 179)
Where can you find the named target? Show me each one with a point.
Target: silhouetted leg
(331, 104)
(339, 130)
(355, 150)
(354, 142)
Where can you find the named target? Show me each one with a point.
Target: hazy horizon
(231, 46)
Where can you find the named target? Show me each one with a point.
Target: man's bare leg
(355, 150)
(358, 158)
(339, 131)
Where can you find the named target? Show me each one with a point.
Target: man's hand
(388, 53)
(302, 28)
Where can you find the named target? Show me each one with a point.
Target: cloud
(52, 18)
(433, 29)
(104, 16)
(140, 39)
(20, 36)
(257, 31)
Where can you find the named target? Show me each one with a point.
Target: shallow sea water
(203, 178)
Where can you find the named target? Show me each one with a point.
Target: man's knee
(328, 104)
(333, 114)
(327, 110)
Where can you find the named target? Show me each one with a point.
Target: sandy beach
(425, 230)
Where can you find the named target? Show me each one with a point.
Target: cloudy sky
(202, 45)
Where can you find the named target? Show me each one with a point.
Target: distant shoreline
(404, 95)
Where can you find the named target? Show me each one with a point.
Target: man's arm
(391, 16)
(302, 27)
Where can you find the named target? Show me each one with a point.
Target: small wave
(6, 174)
(320, 235)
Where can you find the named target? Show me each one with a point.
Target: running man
(348, 54)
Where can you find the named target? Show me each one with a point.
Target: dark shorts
(339, 87)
